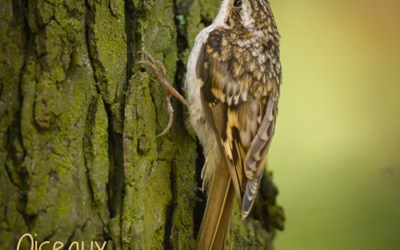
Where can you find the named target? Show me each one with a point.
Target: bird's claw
(170, 112)
(162, 78)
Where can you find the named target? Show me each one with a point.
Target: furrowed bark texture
(79, 156)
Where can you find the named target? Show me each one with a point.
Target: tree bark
(79, 156)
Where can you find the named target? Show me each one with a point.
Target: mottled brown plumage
(240, 73)
(233, 83)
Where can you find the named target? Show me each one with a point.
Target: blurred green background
(336, 151)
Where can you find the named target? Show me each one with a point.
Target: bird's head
(253, 15)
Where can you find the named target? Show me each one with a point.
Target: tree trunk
(79, 156)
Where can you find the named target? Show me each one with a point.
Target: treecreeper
(233, 85)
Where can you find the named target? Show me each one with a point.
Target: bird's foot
(161, 77)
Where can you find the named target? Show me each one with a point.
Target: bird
(233, 84)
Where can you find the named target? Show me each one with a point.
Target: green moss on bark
(13, 40)
(147, 186)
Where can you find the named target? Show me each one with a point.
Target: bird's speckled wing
(239, 78)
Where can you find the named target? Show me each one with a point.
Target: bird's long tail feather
(214, 226)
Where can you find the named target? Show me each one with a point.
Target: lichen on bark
(79, 156)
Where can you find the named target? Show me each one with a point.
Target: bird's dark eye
(237, 3)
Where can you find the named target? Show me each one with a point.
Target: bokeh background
(336, 151)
